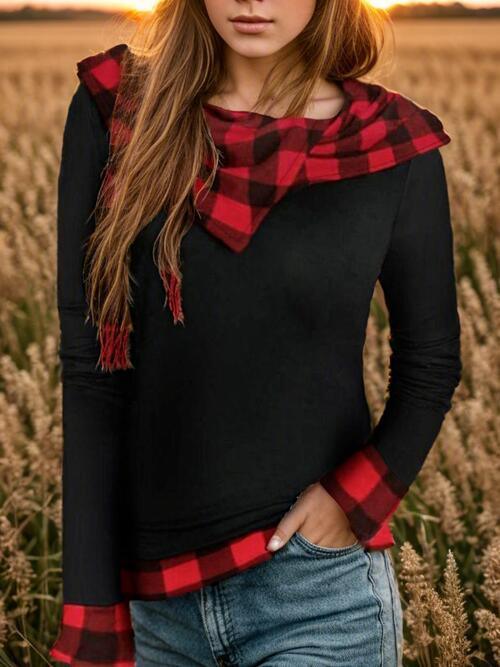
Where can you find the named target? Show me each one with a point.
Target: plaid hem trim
(176, 575)
(92, 634)
(95, 635)
(368, 492)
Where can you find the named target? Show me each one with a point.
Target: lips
(251, 19)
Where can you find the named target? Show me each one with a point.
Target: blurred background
(446, 58)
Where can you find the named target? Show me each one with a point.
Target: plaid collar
(263, 157)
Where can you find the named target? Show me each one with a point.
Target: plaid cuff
(92, 635)
(368, 492)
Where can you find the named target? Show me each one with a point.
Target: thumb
(284, 530)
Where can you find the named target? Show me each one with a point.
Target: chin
(244, 47)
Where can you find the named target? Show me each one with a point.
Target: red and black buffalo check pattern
(263, 157)
(364, 487)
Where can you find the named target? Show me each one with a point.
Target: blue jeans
(308, 606)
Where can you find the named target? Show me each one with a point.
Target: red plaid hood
(263, 157)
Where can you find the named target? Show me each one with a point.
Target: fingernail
(274, 543)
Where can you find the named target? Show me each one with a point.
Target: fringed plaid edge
(101, 74)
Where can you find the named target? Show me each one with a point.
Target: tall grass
(447, 529)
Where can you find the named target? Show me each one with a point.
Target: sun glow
(383, 4)
(149, 5)
(143, 5)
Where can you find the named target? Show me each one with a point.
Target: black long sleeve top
(221, 423)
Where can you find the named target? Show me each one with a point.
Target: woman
(226, 497)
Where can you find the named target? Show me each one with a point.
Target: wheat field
(447, 529)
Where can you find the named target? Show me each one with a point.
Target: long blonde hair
(175, 63)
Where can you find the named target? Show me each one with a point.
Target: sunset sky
(147, 4)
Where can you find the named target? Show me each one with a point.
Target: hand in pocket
(318, 517)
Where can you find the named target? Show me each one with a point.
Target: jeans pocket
(319, 550)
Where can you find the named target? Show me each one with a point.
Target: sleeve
(418, 281)
(95, 626)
